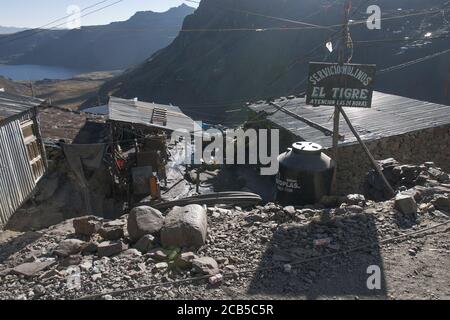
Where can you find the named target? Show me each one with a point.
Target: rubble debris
(287, 268)
(322, 242)
(184, 260)
(112, 230)
(185, 227)
(356, 199)
(215, 280)
(131, 253)
(206, 266)
(69, 247)
(441, 202)
(161, 266)
(32, 268)
(354, 209)
(50, 274)
(110, 248)
(90, 248)
(144, 220)
(87, 225)
(145, 244)
(290, 210)
(405, 204)
(72, 260)
(238, 240)
(158, 254)
(403, 177)
(332, 201)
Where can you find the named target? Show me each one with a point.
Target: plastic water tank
(305, 174)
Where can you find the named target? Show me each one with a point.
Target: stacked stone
(431, 144)
(402, 178)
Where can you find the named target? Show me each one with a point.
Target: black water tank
(304, 175)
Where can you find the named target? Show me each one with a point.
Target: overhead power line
(413, 62)
(315, 26)
(40, 30)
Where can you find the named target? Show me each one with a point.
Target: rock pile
(144, 229)
(403, 177)
(91, 255)
(163, 242)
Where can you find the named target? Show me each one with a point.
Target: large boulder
(406, 204)
(142, 221)
(185, 227)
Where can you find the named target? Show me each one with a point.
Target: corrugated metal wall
(16, 179)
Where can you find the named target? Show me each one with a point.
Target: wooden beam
(312, 124)
(375, 165)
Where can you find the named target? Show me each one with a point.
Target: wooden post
(367, 151)
(197, 185)
(334, 186)
(335, 149)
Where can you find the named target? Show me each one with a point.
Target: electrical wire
(413, 62)
(316, 26)
(38, 31)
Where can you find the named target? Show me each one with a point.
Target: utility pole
(337, 108)
(345, 44)
(32, 89)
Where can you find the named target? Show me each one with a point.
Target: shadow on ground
(343, 275)
(9, 248)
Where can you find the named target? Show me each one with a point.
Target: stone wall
(414, 148)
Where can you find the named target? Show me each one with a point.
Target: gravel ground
(266, 242)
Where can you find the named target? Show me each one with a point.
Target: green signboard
(347, 85)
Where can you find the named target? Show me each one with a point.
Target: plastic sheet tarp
(80, 156)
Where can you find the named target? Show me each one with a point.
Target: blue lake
(36, 72)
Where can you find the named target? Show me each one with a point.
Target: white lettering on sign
(350, 94)
(319, 93)
(337, 70)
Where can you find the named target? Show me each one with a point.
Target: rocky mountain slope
(118, 45)
(14, 87)
(248, 49)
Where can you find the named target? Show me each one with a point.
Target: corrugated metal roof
(11, 104)
(390, 115)
(101, 110)
(139, 112)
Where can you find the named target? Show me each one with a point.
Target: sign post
(343, 85)
(340, 85)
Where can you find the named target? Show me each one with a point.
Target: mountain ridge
(117, 45)
(10, 30)
(204, 70)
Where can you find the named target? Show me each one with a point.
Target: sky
(36, 13)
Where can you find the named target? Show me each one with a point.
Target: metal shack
(22, 154)
(138, 141)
